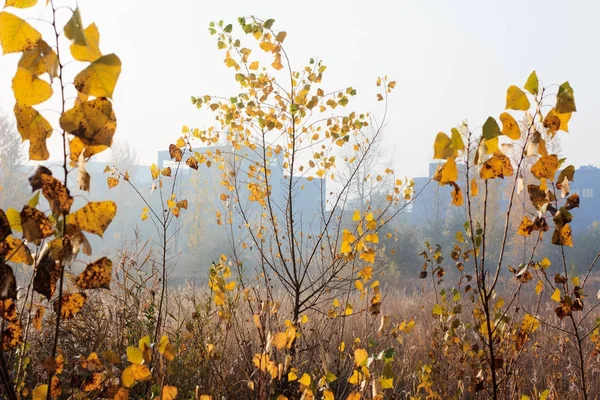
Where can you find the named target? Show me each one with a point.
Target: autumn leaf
(30, 90)
(565, 100)
(96, 275)
(35, 224)
(78, 147)
(490, 129)
(168, 393)
(175, 152)
(71, 304)
(40, 60)
(510, 127)
(94, 217)
(134, 373)
(360, 357)
(90, 50)
(16, 35)
(112, 182)
(94, 122)
(54, 191)
(192, 162)
(545, 167)
(40, 392)
(74, 28)
(498, 166)
(562, 236)
(443, 148)
(8, 283)
(447, 173)
(14, 250)
(20, 3)
(92, 382)
(572, 201)
(100, 77)
(516, 99)
(532, 84)
(457, 197)
(526, 227)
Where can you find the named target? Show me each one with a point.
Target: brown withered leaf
(35, 224)
(92, 363)
(96, 275)
(563, 310)
(4, 226)
(562, 217)
(537, 196)
(192, 162)
(35, 180)
(526, 227)
(8, 283)
(92, 382)
(53, 257)
(562, 236)
(71, 304)
(175, 152)
(12, 335)
(78, 240)
(38, 318)
(166, 172)
(572, 201)
(54, 191)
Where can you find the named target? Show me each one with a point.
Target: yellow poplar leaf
(94, 217)
(77, 147)
(292, 376)
(525, 227)
(304, 380)
(539, 287)
(40, 392)
(16, 35)
(510, 127)
(71, 304)
(443, 148)
(100, 77)
(30, 90)
(457, 197)
(328, 395)
(253, 66)
(354, 379)
(16, 251)
(73, 30)
(267, 46)
(360, 357)
(447, 173)
(545, 167)
(356, 216)
(35, 224)
(277, 63)
(92, 382)
(556, 295)
(112, 182)
(94, 122)
(545, 263)
(96, 275)
(168, 393)
(90, 50)
(127, 377)
(20, 3)
(279, 340)
(562, 236)
(516, 99)
(348, 310)
(40, 59)
(555, 121)
(281, 36)
(498, 166)
(530, 324)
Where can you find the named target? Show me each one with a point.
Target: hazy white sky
(451, 59)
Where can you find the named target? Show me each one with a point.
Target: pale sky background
(452, 60)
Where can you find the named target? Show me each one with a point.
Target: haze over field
(448, 57)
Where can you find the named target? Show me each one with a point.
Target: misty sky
(451, 59)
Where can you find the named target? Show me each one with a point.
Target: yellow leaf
(545, 263)
(168, 393)
(100, 77)
(443, 148)
(40, 60)
(328, 395)
(348, 310)
(525, 227)
(30, 90)
(281, 36)
(510, 127)
(498, 166)
(545, 167)
(474, 188)
(562, 236)
(360, 357)
(277, 63)
(457, 197)
(16, 35)
(267, 46)
(356, 216)
(73, 30)
(447, 173)
(555, 121)
(292, 376)
(94, 217)
(96, 275)
(354, 379)
(35, 224)
(304, 380)
(253, 66)
(40, 392)
(90, 50)
(20, 3)
(539, 287)
(16, 251)
(556, 295)
(279, 340)
(94, 122)
(71, 304)
(112, 182)
(516, 99)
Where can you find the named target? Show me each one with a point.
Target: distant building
(434, 201)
